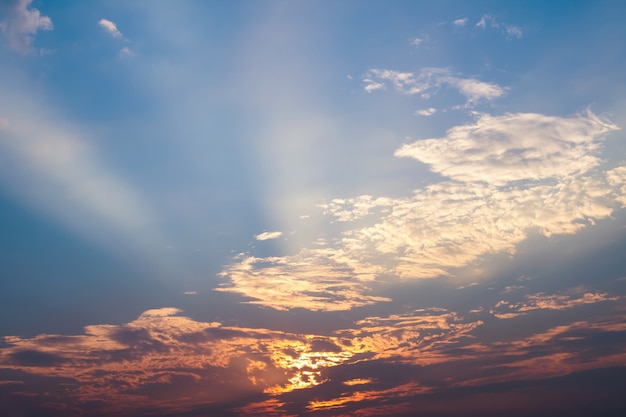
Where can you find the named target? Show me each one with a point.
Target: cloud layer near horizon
(171, 362)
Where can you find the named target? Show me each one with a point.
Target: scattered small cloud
(110, 28)
(268, 235)
(21, 24)
(486, 20)
(190, 292)
(4, 123)
(460, 22)
(426, 112)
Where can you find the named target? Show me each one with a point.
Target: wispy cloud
(489, 21)
(110, 28)
(268, 235)
(541, 301)
(430, 79)
(21, 24)
(59, 172)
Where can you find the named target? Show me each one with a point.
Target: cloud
(460, 22)
(317, 280)
(430, 79)
(56, 170)
(174, 363)
(510, 31)
(513, 31)
(541, 301)
(426, 112)
(416, 41)
(486, 20)
(21, 24)
(110, 28)
(510, 176)
(268, 235)
(514, 147)
(125, 53)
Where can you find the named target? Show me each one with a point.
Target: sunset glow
(312, 208)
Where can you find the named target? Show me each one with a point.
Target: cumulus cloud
(513, 147)
(512, 175)
(110, 28)
(429, 80)
(268, 235)
(21, 23)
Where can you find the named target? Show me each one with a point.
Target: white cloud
(429, 79)
(371, 85)
(460, 22)
(268, 235)
(110, 28)
(475, 90)
(426, 112)
(22, 23)
(190, 292)
(513, 147)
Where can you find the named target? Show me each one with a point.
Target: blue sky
(335, 208)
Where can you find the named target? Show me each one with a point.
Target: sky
(312, 208)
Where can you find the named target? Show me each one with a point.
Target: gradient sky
(324, 208)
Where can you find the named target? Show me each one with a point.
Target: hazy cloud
(21, 23)
(416, 41)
